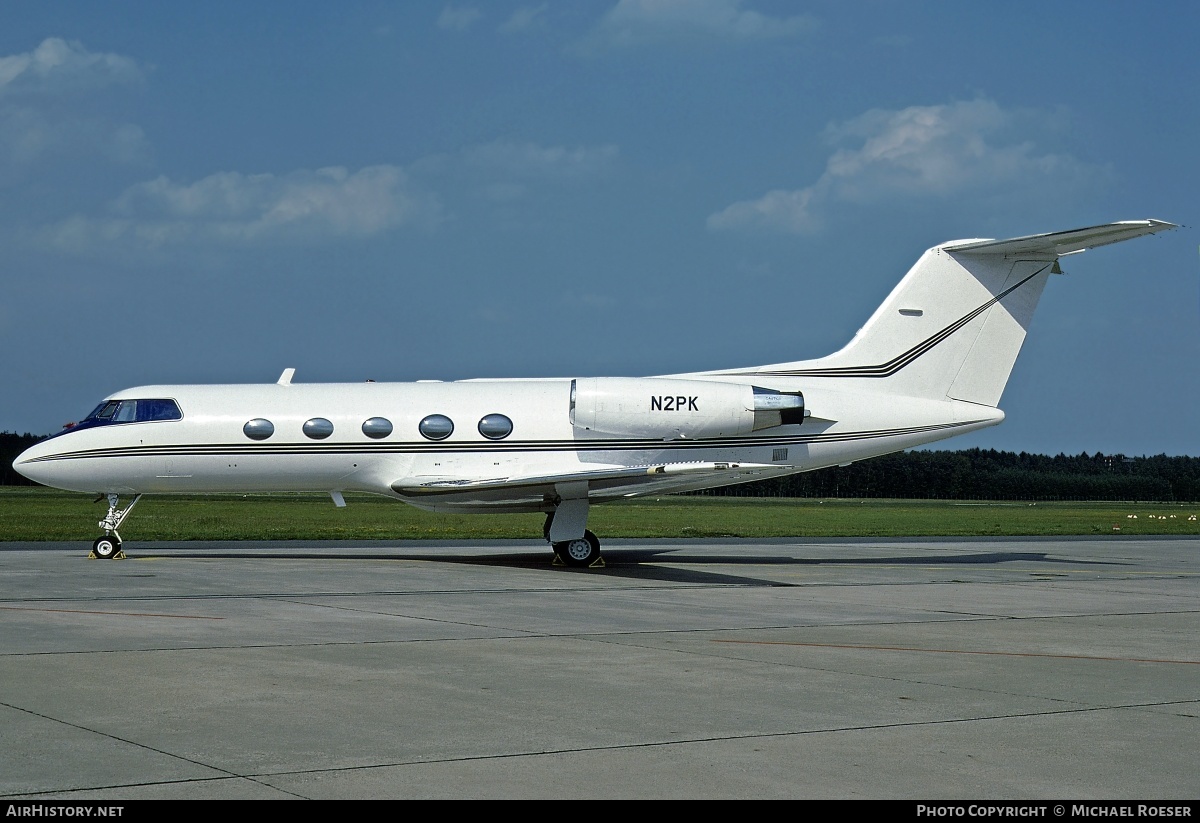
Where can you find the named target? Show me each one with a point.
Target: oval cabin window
(377, 427)
(495, 427)
(318, 428)
(258, 429)
(436, 427)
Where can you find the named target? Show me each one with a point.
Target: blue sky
(213, 192)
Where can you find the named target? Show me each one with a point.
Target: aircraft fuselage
(368, 437)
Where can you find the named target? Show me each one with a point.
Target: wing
(530, 492)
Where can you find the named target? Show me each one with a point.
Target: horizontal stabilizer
(1062, 242)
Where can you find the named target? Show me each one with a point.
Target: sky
(214, 192)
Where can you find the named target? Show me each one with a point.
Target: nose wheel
(108, 547)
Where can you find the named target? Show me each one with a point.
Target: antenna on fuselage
(285, 379)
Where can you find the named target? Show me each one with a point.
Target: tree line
(988, 474)
(968, 474)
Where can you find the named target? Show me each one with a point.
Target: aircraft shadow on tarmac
(666, 564)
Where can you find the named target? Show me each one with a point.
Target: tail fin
(952, 328)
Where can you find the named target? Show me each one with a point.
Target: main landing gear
(580, 552)
(108, 547)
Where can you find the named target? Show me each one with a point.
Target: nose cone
(27, 464)
(44, 463)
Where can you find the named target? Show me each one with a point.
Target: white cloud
(532, 159)
(525, 19)
(24, 135)
(920, 151)
(237, 209)
(35, 123)
(504, 171)
(125, 143)
(29, 135)
(306, 207)
(457, 19)
(57, 65)
(778, 209)
(633, 22)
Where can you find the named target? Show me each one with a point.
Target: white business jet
(929, 364)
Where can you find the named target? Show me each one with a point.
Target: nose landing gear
(108, 547)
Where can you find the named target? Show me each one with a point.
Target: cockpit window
(104, 411)
(158, 410)
(135, 411)
(127, 411)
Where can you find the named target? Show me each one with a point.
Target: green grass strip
(38, 514)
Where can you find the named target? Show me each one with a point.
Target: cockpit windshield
(128, 411)
(135, 411)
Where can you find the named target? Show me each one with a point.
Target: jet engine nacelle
(669, 409)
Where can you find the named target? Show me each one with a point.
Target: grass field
(37, 514)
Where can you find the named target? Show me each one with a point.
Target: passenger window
(495, 427)
(318, 428)
(377, 427)
(258, 429)
(436, 427)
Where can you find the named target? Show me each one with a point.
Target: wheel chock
(120, 555)
(598, 563)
